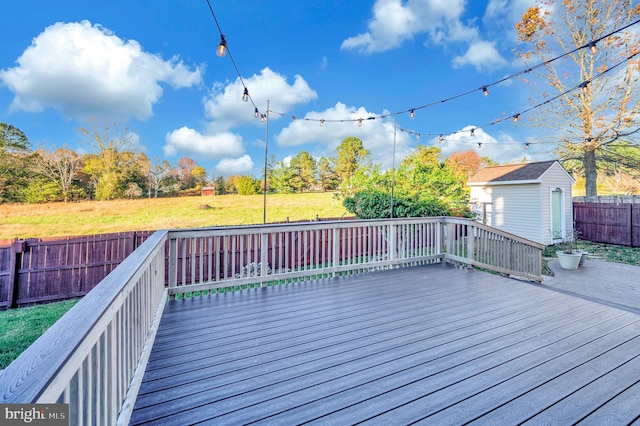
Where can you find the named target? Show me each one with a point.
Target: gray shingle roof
(512, 172)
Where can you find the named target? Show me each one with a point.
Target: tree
(61, 167)
(247, 185)
(350, 155)
(113, 149)
(304, 169)
(14, 162)
(606, 108)
(161, 178)
(326, 175)
(465, 163)
(282, 177)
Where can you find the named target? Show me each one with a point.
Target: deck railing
(93, 358)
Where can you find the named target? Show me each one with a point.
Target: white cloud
(503, 149)
(235, 166)
(395, 21)
(482, 55)
(225, 107)
(82, 69)
(376, 134)
(186, 141)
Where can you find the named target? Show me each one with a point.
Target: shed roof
(529, 172)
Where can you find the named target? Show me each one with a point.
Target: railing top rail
(248, 229)
(508, 235)
(32, 372)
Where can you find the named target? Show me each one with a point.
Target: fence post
(18, 247)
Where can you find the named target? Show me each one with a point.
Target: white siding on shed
(515, 210)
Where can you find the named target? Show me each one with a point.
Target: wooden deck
(429, 344)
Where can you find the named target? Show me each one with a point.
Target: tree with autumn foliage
(592, 71)
(466, 163)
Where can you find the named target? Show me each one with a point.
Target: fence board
(604, 223)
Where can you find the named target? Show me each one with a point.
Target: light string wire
(483, 88)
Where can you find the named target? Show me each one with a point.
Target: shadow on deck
(435, 343)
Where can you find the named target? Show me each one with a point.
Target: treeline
(113, 169)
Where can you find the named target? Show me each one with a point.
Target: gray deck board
(429, 344)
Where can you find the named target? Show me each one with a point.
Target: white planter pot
(569, 261)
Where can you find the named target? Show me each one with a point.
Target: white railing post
(392, 237)
(470, 232)
(336, 250)
(173, 265)
(264, 257)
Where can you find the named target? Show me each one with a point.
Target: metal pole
(266, 151)
(393, 168)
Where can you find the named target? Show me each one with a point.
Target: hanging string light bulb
(321, 122)
(485, 90)
(440, 139)
(516, 118)
(222, 47)
(479, 145)
(593, 47)
(412, 113)
(359, 122)
(245, 95)
(473, 132)
(526, 145)
(256, 114)
(585, 87)
(263, 118)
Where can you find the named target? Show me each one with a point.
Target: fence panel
(604, 223)
(635, 225)
(42, 270)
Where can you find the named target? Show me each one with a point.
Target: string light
(473, 132)
(412, 113)
(526, 145)
(485, 90)
(593, 47)
(263, 118)
(585, 87)
(479, 145)
(359, 122)
(322, 122)
(440, 139)
(245, 95)
(222, 47)
(516, 118)
(256, 114)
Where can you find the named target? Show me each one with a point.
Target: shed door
(556, 213)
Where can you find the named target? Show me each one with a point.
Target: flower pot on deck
(569, 261)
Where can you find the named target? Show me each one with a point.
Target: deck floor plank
(429, 343)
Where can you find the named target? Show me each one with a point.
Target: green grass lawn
(19, 328)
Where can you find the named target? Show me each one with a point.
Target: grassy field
(98, 217)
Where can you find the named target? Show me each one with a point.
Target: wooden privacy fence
(35, 270)
(608, 222)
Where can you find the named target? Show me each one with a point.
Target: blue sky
(151, 66)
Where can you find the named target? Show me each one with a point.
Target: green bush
(375, 204)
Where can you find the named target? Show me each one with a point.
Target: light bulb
(359, 122)
(222, 47)
(245, 95)
(473, 133)
(440, 139)
(256, 114)
(593, 47)
(585, 87)
(516, 118)
(479, 145)
(526, 146)
(485, 91)
(264, 118)
(412, 113)
(322, 122)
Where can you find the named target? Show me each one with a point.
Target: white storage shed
(530, 200)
